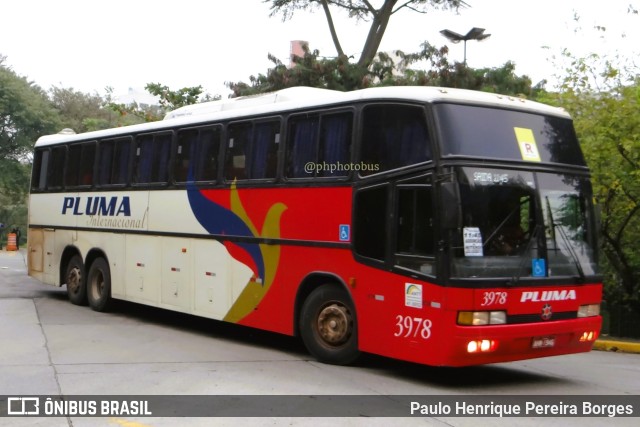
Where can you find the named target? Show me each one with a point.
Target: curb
(613, 345)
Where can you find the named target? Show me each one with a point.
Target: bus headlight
(481, 346)
(589, 336)
(589, 310)
(480, 318)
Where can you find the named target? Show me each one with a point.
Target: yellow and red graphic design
(223, 214)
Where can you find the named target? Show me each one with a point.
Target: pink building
(297, 49)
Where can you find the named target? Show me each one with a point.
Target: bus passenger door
(36, 251)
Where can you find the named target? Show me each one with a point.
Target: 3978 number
(491, 298)
(412, 327)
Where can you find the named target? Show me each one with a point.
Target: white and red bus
(437, 226)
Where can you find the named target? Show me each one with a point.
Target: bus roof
(307, 97)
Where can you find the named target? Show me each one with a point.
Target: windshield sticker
(527, 144)
(538, 267)
(490, 178)
(472, 241)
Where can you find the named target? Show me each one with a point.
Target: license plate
(543, 342)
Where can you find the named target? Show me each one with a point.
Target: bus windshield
(474, 131)
(518, 224)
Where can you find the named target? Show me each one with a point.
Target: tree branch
(332, 28)
(624, 153)
(626, 221)
(407, 5)
(372, 9)
(378, 27)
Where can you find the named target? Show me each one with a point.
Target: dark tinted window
(40, 168)
(321, 141)
(113, 161)
(505, 134)
(252, 150)
(152, 158)
(393, 136)
(370, 222)
(415, 221)
(80, 165)
(197, 154)
(56, 172)
(415, 232)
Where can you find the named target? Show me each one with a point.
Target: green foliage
(172, 99)
(604, 99)
(386, 70)
(169, 100)
(14, 188)
(80, 111)
(310, 70)
(25, 115)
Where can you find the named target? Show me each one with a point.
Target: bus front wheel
(328, 326)
(99, 285)
(74, 278)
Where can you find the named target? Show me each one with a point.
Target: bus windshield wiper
(565, 239)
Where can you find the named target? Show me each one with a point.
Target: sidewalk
(617, 344)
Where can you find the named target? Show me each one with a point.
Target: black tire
(99, 285)
(328, 326)
(75, 281)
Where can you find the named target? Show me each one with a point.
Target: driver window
(415, 245)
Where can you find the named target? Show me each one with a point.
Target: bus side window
(185, 153)
(40, 169)
(197, 154)
(207, 154)
(113, 161)
(393, 136)
(152, 158)
(335, 144)
(301, 146)
(252, 150)
(324, 141)
(263, 160)
(415, 247)
(80, 165)
(56, 172)
(371, 222)
(236, 157)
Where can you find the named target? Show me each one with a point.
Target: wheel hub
(334, 324)
(73, 280)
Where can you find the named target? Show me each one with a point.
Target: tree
(80, 111)
(169, 100)
(604, 99)
(309, 70)
(386, 70)
(25, 114)
(363, 10)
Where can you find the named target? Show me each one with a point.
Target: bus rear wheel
(328, 326)
(99, 285)
(74, 278)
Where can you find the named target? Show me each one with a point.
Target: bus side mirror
(451, 215)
